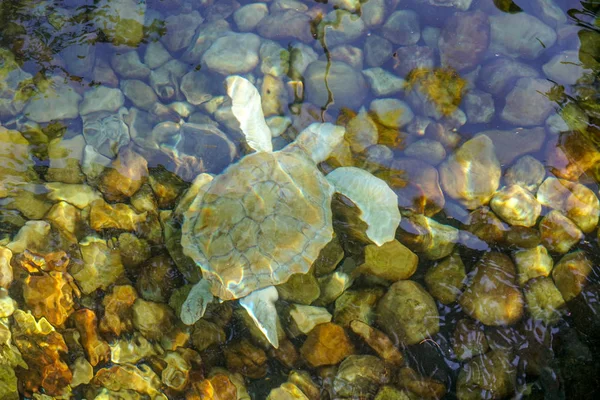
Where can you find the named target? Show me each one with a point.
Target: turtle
(267, 216)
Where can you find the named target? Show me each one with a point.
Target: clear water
(164, 132)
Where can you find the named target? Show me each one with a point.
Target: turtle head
(318, 140)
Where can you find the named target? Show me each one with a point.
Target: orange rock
(50, 295)
(116, 216)
(118, 314)
(87, 324)
(326, 344)
(36, 262)
(41, 347)
(219, 387)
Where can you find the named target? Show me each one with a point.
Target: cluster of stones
(89, 258)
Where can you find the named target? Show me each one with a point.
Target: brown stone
(87, 324)
(218, 387)
(50, 295)
(326, 344)
(124, 176)
(118, 314)
(378, 341)
(115, 216)
(392, 261)
(423, 387)
(247, 359)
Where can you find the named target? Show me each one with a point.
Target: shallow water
(468, 110)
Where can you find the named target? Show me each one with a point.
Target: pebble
(382, 82)
(409, 58)
(492, 295)
(471, 174)
(526, 172)
(326, 344)
(180, 29)
(464, 40)
(479, 107)
(498, 76)
(407, 313)
(516, 206)
(378, 341)
(377, 50)
(402, 27)
(559, 233)
(469, 339)
(233, 54)
(307, 317)
(59, 102)
(520, 35)
(391, 261)
(527, 103)
(570, 274)
(338, 74)
(446, 278)
(340, 27)
(101, 98)
(532, 263)
(544, 301)
(391, 112)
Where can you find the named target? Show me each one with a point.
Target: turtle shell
(262, 220)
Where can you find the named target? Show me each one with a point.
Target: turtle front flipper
(260, 304)
(246, 107)
(376, 200)
(194, 306)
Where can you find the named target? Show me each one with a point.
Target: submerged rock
(233, 54)
(544, 300)
(326, 344)
(526, 172)
(446, 278)
(407, 313)
(527, 103)
(571, 273)
(520, 35)
(491, 375)
(402, 27)
(101, 265)
(516, 206)
(378, 341)
(360, 375)
(471, 174)
(492, 295)
(533, 263)
(122, 21)
(59, 101)
(340, 27)
(469, 340)
(464, 40)
(559, 233)
(392, 261)
(321, 78)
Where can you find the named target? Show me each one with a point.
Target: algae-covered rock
(101, 265)
(532, 263)
(127, 378)
(300, 288)
(491, 375)
(16, 164)
(544, 300)
(492, 295)
(322, 79)
(122, 21)
(469, 340)
(559, 233)
(356, 305)
(420, 386)
(360, 375)
(407, 313)
(571, 273)
(446, 278)
(118, 313)
(153, 320)
(245, 358)
(392, 261)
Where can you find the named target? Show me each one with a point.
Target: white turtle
(268, 216)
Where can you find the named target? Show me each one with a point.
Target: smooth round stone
(407, 313)
(282, 5)
(499, 75)
(479, 107)
(565, 68)
(356, 305)
(492, 372)
(520, 35)
(101, 98)
(274, 59)
(180, 30)
(122, 21)
(347, 85)
(576, 201)
(571, 273)
(527, 103)
(471, 174)
(139, 93)
(359, 376)
(198, 87)
(430, 151)
(464, 40)
(129, 66)
(59, 102)
(377, 50)
(341, 27)
(247, 17)
(326, 344)
(532, 263)
(383, 82)
(461, 5)
(549, 12)
(427, 236)
(351, 55)
(544, 300)
(287, 391)
(286, 24)
(409, 58)
(373, 12)
(492, 295)
(391, 112)
(558, 232)
(469, 339)
(165, 79)
(233, 54)
(446, 278)
(348, 5)
(402, 27)
(526, 172)
(156, 55)
(417, 185)
(301, 56)
(391, 261)
(516, 205)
